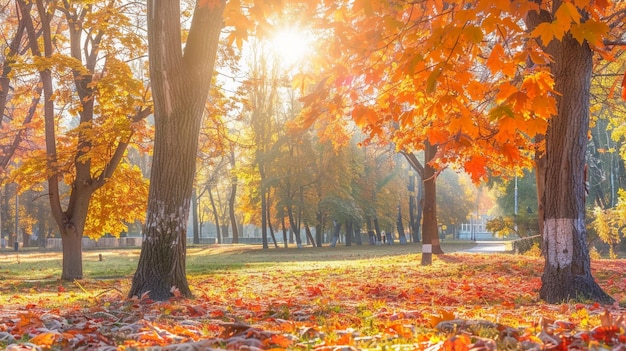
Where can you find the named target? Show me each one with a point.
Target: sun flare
(291, 46)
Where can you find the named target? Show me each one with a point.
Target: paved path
(487, 247)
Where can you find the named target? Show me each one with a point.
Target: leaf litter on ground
(461, 302)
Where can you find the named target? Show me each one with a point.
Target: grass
(35, 275)
(377, 297)
(31, 265)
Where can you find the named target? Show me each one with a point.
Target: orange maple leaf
(476, 167)
(44, 339)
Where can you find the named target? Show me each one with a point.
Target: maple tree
(108, 104)
(470, 79)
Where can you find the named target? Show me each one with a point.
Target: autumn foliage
(467, 76)
(461, 302)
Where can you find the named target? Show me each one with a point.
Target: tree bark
(194, 220)
(309, 235)
(371, 236)
(336, 230)
(349, 232)
(269, 226)
(216, 216)
(379, 236)
(285, 239)
(318, 229)
(540, 179)
(264, 218)
(231, 200)
(430, 239)
(294, 226)
(567, 271)
(357, 234)
(400, 226)
(180, 85)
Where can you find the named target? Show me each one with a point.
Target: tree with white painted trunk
(180, 82)
(567, 270)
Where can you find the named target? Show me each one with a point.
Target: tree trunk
(231, 201)
(269, 226)
(379, 236)
(216, 216)
(370, 232)
(309, 235)
(349, 232)
(318, 229)
(194, 220)
(180, 86)
(285, 239)
(430, 239)
(540, 180)
(419, 210)
(264, 217)
(72, 243)
(412, 220)
(336, 230)
(357, 234)
(567, 271)
(294, 227)
(400, 226)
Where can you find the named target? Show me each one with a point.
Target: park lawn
(323, 299)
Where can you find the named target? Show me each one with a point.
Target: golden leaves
(364, 116)
(568, 18)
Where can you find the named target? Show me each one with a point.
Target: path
(488, 247)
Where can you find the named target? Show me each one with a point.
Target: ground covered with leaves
(462, 302)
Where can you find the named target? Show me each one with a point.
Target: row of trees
(483, 86)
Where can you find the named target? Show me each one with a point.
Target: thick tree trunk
(357, 234)
(180, 85)
(72, 255)
(567, 271)
(379, 235)
(72, 234)
(430, 239)
(349, 232)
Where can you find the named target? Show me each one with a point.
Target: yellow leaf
(567, 13)
(473, 34)
(592, 31)
(441, 317)
(548, 31)
(44, 339)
